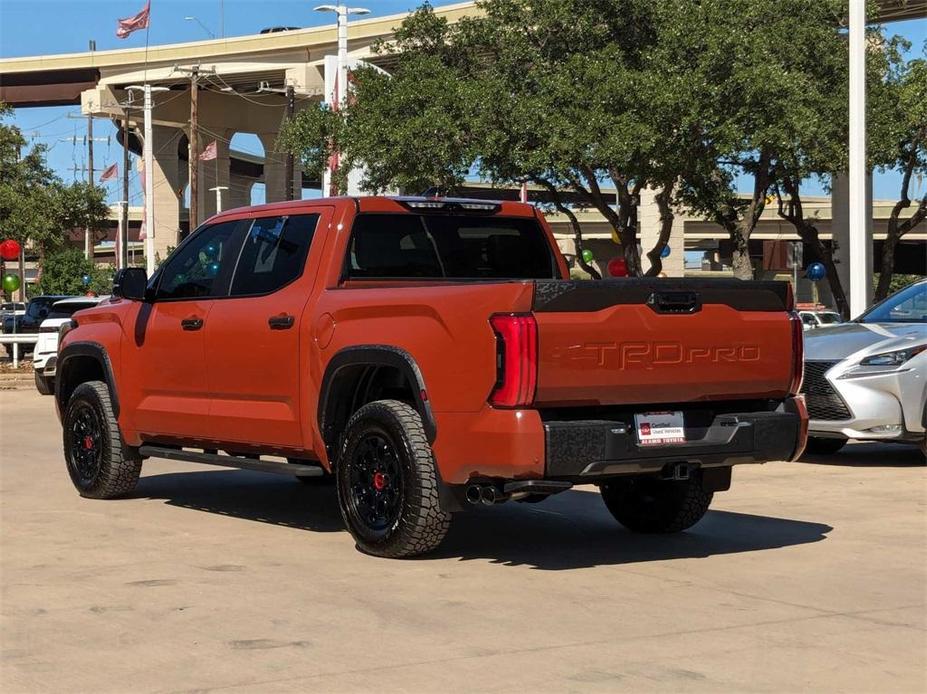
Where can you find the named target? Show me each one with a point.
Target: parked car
(811, 320)
(11, 308)
(430, 355)
(36, 311)
(46, 349)
(866, 379)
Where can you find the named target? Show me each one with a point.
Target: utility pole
(194, 155)
(288, 170)
(88, 234)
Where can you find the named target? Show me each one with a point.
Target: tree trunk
(887, 269)
(574, 223)
(793, 212)
(655, 255)
(743, 268)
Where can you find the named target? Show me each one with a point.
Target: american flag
(124, 27)
(209, 152)
(110, 173)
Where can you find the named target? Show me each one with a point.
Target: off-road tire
(820, 446)
(421, 524)
(317, 481)
(117, 466)
(652, 505)
(44, 385)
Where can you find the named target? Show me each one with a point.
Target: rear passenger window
(448, 246)
(274, 253)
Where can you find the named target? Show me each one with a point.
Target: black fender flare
(378, 355)
(98, 353)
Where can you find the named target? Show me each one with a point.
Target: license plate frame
(665, 428)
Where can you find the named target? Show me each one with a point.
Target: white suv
(46, 349)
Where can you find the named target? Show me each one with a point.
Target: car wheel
(323, 480)
(819, 446)
(652, 505)
(44, 385)
(101, 466)
(387, 485)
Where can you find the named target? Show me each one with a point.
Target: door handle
(282, 322)
(191, 323)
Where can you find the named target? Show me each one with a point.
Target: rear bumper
(586, 450)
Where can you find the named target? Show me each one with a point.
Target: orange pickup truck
(427, 355)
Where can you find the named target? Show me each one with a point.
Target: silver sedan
(868, 379)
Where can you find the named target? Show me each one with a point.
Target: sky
(41, 27)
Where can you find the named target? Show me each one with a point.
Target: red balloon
(618, 267)
(9, 250)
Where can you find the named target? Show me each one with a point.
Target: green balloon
(10, 282)
(588, 256)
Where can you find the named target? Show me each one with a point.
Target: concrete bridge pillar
(168, 182)
(274, 169)
(239, 192)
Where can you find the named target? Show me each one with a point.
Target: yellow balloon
(615, 237)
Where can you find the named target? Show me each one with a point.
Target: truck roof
(393, 203)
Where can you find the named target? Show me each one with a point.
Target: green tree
(36, 207)
(898, 115)
(769, 75)
(64, 270)
(549, 93)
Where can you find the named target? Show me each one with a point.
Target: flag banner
(110, 173)
(209, 152)
(124, 27)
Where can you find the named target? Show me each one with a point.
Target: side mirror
(130, 283)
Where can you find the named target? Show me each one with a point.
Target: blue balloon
(665, 252)
(815, 272)
(85, 279)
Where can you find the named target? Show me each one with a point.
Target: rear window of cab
(432, 246)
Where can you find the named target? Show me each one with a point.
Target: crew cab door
(256, 336)
(165, 354)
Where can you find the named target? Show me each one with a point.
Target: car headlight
(896, 358)
(886, 362)
(65, 328)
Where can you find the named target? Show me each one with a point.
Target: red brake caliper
(88, 442)
(379, 481)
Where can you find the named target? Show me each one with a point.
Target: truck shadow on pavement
(569, 531)
(574, 530)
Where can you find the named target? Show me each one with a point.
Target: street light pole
(341, 81)
(860, 244)
(148, 154)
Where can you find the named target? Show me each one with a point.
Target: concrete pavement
(806, 576)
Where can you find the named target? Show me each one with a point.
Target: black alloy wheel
(376, 482)
(85, 442)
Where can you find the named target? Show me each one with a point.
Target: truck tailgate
(654, 341)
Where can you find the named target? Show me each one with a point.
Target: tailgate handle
(674, 302)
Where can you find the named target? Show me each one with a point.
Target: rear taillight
(798, 353)
(516, 359)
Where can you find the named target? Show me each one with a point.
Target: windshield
(61, 310)
(38, 307)
(906, 306)
(830, 318)
(453, 247)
